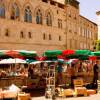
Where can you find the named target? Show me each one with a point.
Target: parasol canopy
(13, 53)
(26, 53)
(97, 53)
(71, 61)
(82, 52)
(68, 52)
(2, 54)
(12, 61)
(52, 53)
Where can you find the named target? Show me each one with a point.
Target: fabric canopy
(80, 57)
(30, 60)
(97, 53)
(12, 61)
(17, 54)
(92, 57)
(13, 53)
(68, 52)
(38, 62)
(2, 52)
(52, 53)
(82, 52)
(26, 53)
(71, 61)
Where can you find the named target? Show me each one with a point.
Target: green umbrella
(97, 53)
(82, 52)
(26, 53)
(61, 61)
(84, 57)
(52, 53)
(30, 60)
(2, 53)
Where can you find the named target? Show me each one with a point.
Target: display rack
(50, 82)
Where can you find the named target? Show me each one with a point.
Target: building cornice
(88, 20)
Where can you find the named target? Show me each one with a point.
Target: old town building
(98, 22)
(44, 25)
(88, 33)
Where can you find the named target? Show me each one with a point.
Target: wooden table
(6, 94)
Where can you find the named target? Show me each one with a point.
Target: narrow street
(92, 97)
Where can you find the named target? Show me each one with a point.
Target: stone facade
(98, 22)
(59, 28)
(88, 33)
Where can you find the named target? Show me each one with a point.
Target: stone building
(98, 22)
(44, 25)
(88, 33)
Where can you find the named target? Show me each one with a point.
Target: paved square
(92, 97)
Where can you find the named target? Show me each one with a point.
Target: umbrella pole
(10, 67)
(26, 82)
(15, 63)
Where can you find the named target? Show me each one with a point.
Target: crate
(24, 96)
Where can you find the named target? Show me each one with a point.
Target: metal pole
(53, 94)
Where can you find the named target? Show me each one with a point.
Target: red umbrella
(13, 53)
(41, 58)
(60, 57)
(68, 52)
(92, 58)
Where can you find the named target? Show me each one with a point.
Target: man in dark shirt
(95, 70)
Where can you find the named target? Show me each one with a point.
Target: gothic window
(44, 36)
(2, 11)
(59, 23)
(60, 38)
(22, 34)
(30, 34)
(7, 33)
(14, 11)
(50, 38)
(28, 15)
(38, 17)
(49, 19)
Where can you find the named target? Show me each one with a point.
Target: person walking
(59, 73)
(95, 71)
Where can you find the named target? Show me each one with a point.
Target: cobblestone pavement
(92, 97)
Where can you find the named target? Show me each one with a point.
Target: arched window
(7, 32)
(28, 15)
(49, 19)
(22, 34)
(29, 34)
(14, 11)
(60, 38)
(44, 36)
(38, 17)
(2, 11)
(50, 38)
(59, 23)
